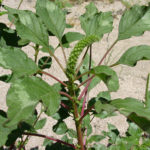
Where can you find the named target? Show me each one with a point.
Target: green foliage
(66, 99)
(96, 23)
(108, 76)
(52, 16)
(24, 94)
(134, 22)
(71, 64)
(135, 54)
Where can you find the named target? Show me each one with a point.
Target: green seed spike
(72, 61)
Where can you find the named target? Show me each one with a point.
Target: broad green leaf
(29, 26)
(70, 37)
(99, 107)
(45, 62)
(60, 128)
(134, 130)
(147, 93)
(134, 54)
(66, 139)
(40, 124)
(130, 105)
(142, 122)
(17, 61)
(86, 125)
(3, 13)
(24, 94)
(96, 23)
(52, 16)
(104, 96)
(108, 76)
(4, 131)
(134, 22)
(72, 133)
(95, 138)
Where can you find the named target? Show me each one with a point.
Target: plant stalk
(21, 1)
(78, 127)
(88, 81)
(50, 75)
(50, 138)
(56, 59)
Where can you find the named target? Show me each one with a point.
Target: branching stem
(88, 81)
(50, 138)
(50, 75)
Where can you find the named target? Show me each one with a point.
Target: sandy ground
(132, 80)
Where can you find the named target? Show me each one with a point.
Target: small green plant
(66, 98)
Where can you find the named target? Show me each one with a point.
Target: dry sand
(132, 80)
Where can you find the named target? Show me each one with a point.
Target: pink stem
(65, 94)
(83, 106)
(64, 105)
(85, 89)
(50, 75)
(50, 138)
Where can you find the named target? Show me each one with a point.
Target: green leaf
(40, 124)
(3, 13)
(94, 23)
(128, 106)
(17, 61)
(95, 138)
(134, 22)
(134, 54)
(108, 76)
(60, 128)
(70, 37)
(104, 96)
(86, 125)
(134, 130)
(29, 26)
(66, 139)
(45, 62)
(52, 16)
(4, 131)
(99, 107)
(24, 94)
(72, 133)
(142, 122)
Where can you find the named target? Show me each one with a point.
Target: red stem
(50, 75)
(84, 90)
(65, 94)
(64, 105)
(87, 111)
(83, 105)
(90, 78)
(50, 138)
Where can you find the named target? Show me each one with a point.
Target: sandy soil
(132, 80)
